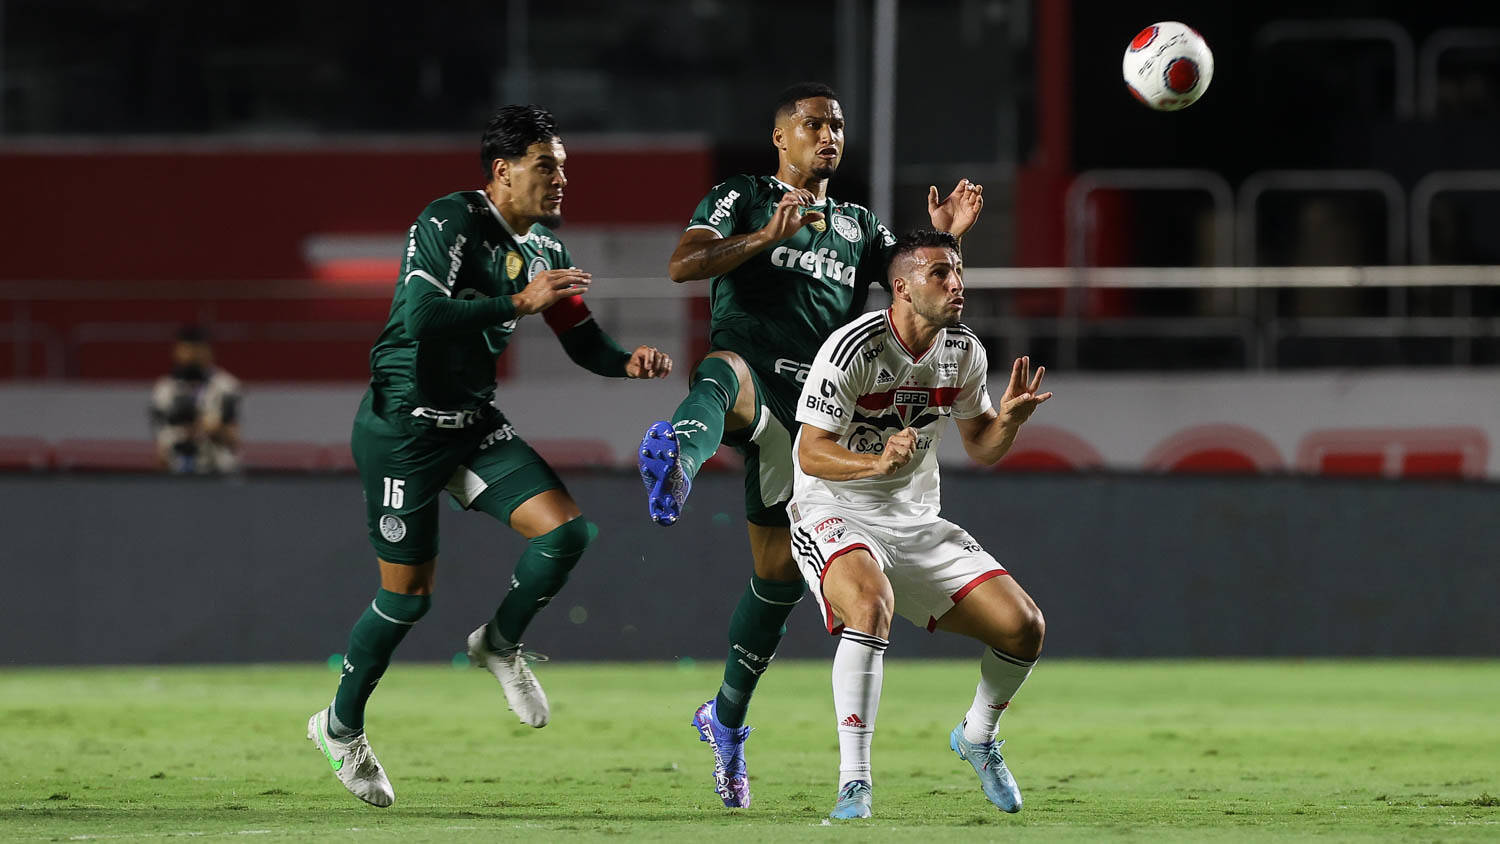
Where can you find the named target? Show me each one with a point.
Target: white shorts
(931, 566)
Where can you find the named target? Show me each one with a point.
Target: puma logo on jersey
(437, 222)
(823, 263)
(491, 249)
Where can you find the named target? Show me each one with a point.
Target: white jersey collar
(826, 198)
(915, 358)
(518, 238)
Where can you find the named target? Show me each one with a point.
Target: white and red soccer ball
(1168, 66)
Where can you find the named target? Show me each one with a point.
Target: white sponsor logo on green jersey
(722, 207)
(823, 263)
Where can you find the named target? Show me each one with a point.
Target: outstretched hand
(959, 211)
(648, 362)
(1021, 397)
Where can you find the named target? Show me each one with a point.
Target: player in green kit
(788, 264)
(476, 262)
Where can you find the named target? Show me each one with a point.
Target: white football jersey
(866, 385)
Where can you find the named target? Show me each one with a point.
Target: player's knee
(1030, 633)
(400, 608)
(567, 542)
(870, 611)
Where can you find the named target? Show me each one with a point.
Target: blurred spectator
(195, 410)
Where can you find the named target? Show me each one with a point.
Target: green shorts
(404, 462)
(767, 448)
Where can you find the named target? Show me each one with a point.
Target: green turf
(1147, 751)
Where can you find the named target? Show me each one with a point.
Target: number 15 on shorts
(395, 494)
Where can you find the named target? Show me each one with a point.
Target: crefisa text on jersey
(823, 263)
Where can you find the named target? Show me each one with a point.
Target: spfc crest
(910, 403)
(512, 265)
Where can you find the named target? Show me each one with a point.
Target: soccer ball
(1168, 66)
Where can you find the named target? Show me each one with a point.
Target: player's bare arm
(959, 211)
(704, 254)
(821, 455)
(989, 436)
(550, 287)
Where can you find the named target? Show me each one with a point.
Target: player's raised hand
(957, 213)
(550, 287)
(898, 451)
(788, 218)
(1021, 397)
(648, 362)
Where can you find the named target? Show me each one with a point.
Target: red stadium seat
(338, 458)
(107, 455)
(576, 453)
(283, 457)
(22, 453)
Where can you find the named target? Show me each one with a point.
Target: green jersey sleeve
(726, 208)
(434, 254)
(873, 264)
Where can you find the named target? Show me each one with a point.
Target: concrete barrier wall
(126, 569)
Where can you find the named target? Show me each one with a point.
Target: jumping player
(476, 262)
(866, 529)
(789, 264)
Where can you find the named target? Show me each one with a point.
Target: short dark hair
(922, 239)
(511, 131)
(786, 101)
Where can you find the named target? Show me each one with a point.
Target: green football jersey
(460, 247)
(776, 309)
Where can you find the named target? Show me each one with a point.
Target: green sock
(372, 641)
(540, 575)
(755, 630)
(699, 420)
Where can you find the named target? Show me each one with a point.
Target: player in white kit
(866, 530)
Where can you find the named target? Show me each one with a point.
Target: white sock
(1000, 676)
(858, 666)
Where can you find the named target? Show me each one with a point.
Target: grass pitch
(1147, 751)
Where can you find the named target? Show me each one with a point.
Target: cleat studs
(671, 454)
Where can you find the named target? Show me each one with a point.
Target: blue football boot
(731, 780)
(667, 485)
(999, 786)
(854, 801)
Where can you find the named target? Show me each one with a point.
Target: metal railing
(1402, 50)
(1438, 43)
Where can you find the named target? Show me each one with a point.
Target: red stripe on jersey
(936, 397)
(567, 313)
(967, 588)
(834, 629)
(894, 333)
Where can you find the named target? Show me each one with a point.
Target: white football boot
(353, 762)
(522, 691)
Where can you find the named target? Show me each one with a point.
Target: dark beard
(551, 221)
(938, 317)
(823, 171)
